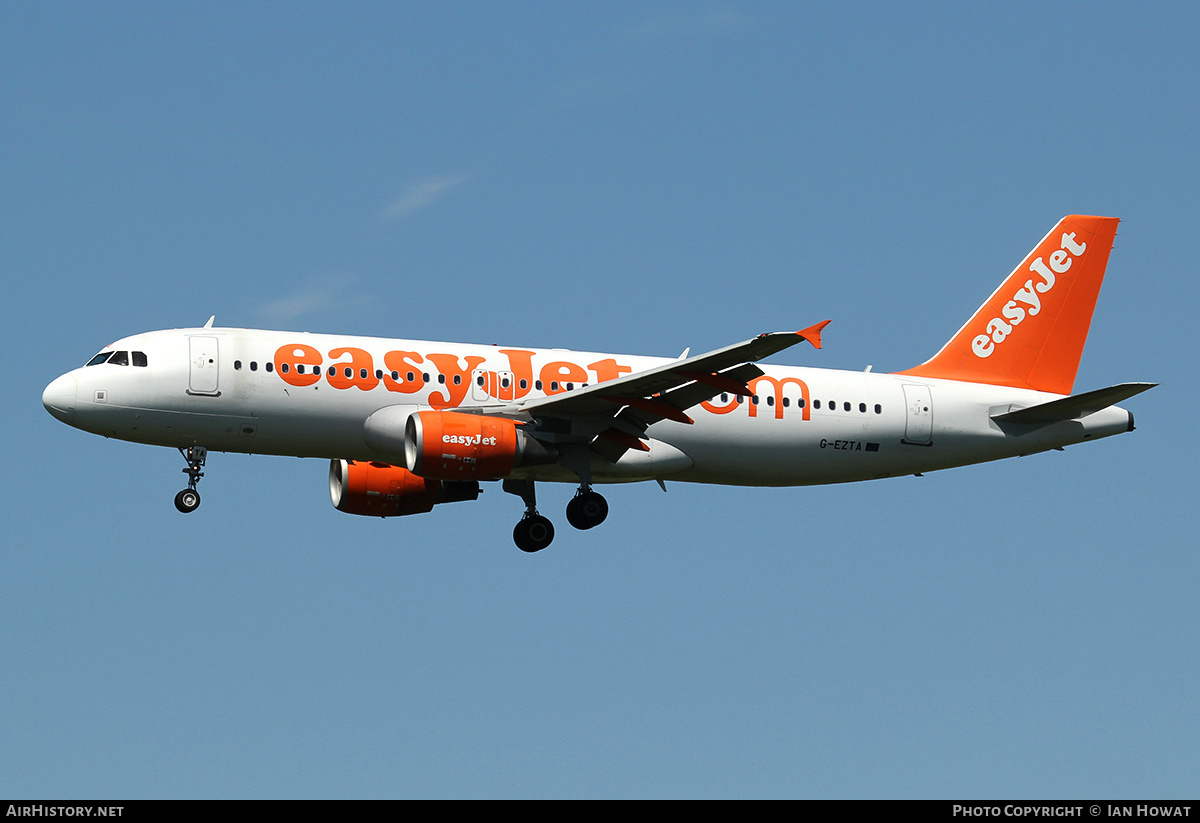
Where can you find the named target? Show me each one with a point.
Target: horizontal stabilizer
(1073, 408)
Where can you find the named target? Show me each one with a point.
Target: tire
(533, 533)
(187, 501)
(587, 510)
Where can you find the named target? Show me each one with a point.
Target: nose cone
(59, 398)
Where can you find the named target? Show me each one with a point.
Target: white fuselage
(270, 392)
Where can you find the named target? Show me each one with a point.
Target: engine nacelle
(457, 446)
(380, 490)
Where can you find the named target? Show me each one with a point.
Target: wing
(612, 417)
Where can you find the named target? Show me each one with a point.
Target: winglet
(813, 333)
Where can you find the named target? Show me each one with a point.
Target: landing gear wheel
(587, 510)
(533, 533)
(187, 500)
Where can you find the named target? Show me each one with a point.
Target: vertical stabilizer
(1030, 332)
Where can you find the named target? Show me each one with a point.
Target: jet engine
(380, 490)
(456, 446)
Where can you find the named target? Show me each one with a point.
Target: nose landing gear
(188, 500)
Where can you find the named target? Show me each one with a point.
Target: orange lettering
(456, 390)
(403, 363)
(358, 371)
(608, 369)
(521, 364)
(297, 354)
(555, 375)
(715, 409)
(778, 386)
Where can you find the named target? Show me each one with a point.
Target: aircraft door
(504, 387)
(486, 385)
(204, 369)
(918, 424)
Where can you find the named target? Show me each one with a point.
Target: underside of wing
(612, 417)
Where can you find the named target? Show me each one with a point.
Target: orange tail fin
(1030, 332)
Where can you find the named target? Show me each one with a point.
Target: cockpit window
(139, 358)
(100, 358)
(120, 358)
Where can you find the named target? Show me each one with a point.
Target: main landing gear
(188, 500)
(535, 532)
(587, 509)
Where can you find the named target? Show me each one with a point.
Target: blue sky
(628, 177)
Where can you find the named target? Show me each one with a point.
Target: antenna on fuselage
(208, 325)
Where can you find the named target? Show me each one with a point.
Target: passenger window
(846, 406)
(862, 407)
(878, 409)
(816, 404)
(139, 358)
(237, 364)
(270, 367)
(253, 365)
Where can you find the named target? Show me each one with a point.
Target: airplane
(410, 424)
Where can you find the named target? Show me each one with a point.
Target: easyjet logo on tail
(1027, 301)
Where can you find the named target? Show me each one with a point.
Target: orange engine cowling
(380, 490)
(457, 446)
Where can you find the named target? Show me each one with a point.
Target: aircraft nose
(59, 398)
